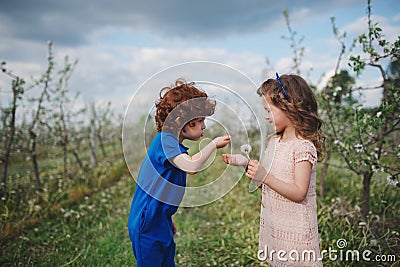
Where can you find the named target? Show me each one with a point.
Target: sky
(120, 44)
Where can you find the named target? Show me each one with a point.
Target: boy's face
(194, 130)
(275, 116)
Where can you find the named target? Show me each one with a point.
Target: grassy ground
(93, 232)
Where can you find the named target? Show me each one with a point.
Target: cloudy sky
(120, 44)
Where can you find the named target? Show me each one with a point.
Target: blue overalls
(159, 191)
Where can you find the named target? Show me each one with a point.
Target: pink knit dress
(289, 230)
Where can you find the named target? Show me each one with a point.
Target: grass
(223, 233)
(92, 233)
(91, 229)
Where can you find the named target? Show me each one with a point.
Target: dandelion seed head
(246, 149)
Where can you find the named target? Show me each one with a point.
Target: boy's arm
(192, 164)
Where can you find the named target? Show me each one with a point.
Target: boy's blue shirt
(159, 190)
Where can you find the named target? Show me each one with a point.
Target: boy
(180, 114)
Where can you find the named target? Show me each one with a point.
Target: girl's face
(194, 129)
(275, 116)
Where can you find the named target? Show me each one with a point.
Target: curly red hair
(180, 104)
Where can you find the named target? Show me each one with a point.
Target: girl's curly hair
(180, 104)
(302, 109)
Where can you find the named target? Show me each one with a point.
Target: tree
(103, 125)
(8, 119)
(59, 115)
(92, 136)
(298, 51)
(336, 93)
(37, 119)
(362, 136)
(335, 101)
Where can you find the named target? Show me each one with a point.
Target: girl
(180, 114)
(288, 219)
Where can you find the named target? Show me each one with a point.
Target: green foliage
(82, 221)
(23, 205)
(357, 64)
(365, 137)
(92, 231)
(374, 47)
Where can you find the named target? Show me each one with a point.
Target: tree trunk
(324, 172)
(77, 158)
(65, 153)
(101, 143)
(9, 138)
(35, 164)
(366, 192)
(92, 137)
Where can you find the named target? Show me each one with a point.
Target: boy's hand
(222, 141)
(235, 160)
(256, 172)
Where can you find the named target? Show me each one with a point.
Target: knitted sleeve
(306, 151)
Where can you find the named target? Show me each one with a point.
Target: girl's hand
(256, 172)
(222, 141)
(235, 159)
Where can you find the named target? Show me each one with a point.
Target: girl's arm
(296, 191)
(192, 164)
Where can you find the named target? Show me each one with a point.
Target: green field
(90, 230)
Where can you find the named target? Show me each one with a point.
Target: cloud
(173, 33)
(110, 73)
(71, 22)
(102, 73)
(396, 17)
(360, 26)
